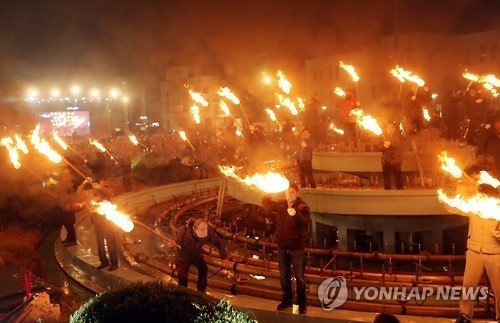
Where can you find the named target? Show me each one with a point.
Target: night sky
(104, 41)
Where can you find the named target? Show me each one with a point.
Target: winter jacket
(191, 245)
(305, 153)
(394, 154)
(290, 230)
(484, 235)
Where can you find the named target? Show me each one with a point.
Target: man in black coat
(304, 159)
(190, 238)
(292, 219)
(392, 157)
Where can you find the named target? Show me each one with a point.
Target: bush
(156, 302)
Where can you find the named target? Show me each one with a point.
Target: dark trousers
(109, 236)
(350, 135)
(183, 272)
(390, 170)
(288, 258)
(70, 228)
(306, 170)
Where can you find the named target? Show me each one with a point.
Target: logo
(332, 292)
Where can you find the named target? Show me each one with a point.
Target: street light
(95, 93)
(114, 93)
(32, 93)
(55, 92)
(75, 90)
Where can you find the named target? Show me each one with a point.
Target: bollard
(370, 246)
(436, 249)
(453, 249)
(402, 247)
(390, 266)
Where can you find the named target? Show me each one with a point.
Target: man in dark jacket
(191, 237)
(304, 160)
(292, 219)
(392, 157)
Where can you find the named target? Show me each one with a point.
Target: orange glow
(486, 178)
(403, 75)
(482, 205)
(426, 114)
(110, 211)
(338, 91)
(195, 111)
(283, 83)
(366, 122)
(198, 98)
(8, 143)
(350, 70)
(59, 141)
(133, 139)
(98, 145)
(183, 136)
(288, 103)
(223, 106)
(21, 145)
(269, 182)
(226, 93)
(335, 129)
(43, 147)
(449, 165)
(271, 114)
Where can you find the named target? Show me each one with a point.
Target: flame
(43, 147)
(403, 75)
(449, 165)
(133, 139)
(301, 104)
(59, 141)
(470, 76)
(198, 98)
(8, 143)
(98, 145)
(427, 116)
(223, 106)
(269, 182)
(238, 133)
(338, 91)
(110, 211)
(195, 111)
(283, 83)
(335, 129)
(183, 136)
(486, 178)
(226, 93)
(288, 103)
(21, 145)
(350, 69)
(271, 114)
(484, 206)
(266, 78)
(366, 122)
(492, 79)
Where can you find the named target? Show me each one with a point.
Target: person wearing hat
(190, 238)
(292, 220)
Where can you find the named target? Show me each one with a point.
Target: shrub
(156, 302)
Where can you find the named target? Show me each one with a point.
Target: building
(438, 58)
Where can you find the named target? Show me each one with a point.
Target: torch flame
(338, 91)
(110, 211)
(43, 147)
(8, 143)
(335, 129)
(198, 98)
(269, 182)
(283, 83)
(183, 136)
(486, 178)
(21, 145)
(403, 75)
(98, 145)
(427, 116)
(271, 114)
(482, 205)
(449, 165)
(195, 111)
(133, 139)
(301, 104)
(350, 69)
(492, 79)
(288, 103)
(226, 93)
(59, 141)
(223, 106)
(470, 76)
(366, 122)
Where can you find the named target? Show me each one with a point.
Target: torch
(183, 136)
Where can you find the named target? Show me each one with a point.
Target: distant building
(439, 59)
(176, 100)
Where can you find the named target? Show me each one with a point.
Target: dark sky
(104, 41)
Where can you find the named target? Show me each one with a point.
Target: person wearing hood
(190, 238)
(292, 220)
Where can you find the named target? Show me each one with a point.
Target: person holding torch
(292, 220)
(392, 157)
